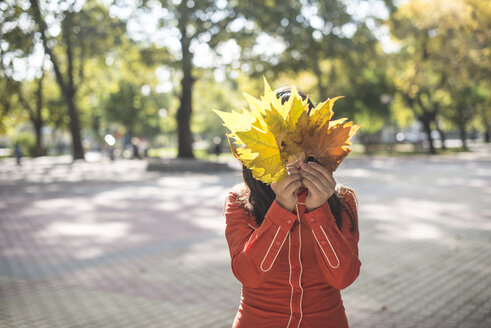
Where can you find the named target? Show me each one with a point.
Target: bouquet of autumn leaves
(271, 134)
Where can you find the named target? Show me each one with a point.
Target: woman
(293, 245)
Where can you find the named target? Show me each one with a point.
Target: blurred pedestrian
(217, 146)
(135, 146)
(293, 246)
(143, 146)
(18, 154)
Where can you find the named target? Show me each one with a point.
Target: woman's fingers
(280, 187)
(314, 180)
(292, 171)
(295, 164)
(294, 179)
(322, 170)
(291, 180)
(285, 190)
(315, 175)
(313, 189)
(317, 179)
(274, 186)
(293, 186)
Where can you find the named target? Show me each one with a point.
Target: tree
(415, 70)
(84, 33)
(313, 35)
(338, 52)
(19, 91)
(417, 83)
(35, 111)
(365, 84)
(445, 55)
(465, 48)
(193, 22)
(136, 112)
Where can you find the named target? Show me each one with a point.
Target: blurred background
(114, 169)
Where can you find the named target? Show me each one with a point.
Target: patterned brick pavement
(111, 245)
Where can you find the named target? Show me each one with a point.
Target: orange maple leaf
(329, 144)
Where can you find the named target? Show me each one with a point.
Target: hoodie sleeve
(336, 249)
(254, 251)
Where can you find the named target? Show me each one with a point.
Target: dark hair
(283, 93)
(259, 196)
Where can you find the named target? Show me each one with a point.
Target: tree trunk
(34, 116)
(463, 135)
(78, 150)
(461, 124)
(366, 141)
(486, 125)
(425, 119)
(443, 138)
(70, 91)
(436, 111)
(38, 118)
(319, 75)
(427, 116)
(185, 138)
(38, 150)
(37, 122)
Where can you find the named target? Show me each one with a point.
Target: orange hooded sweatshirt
(293, 266)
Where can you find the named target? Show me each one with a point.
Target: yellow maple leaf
(271, 134)
(241, 121)
(267, 164)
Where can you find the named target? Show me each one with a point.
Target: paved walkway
(111, 245)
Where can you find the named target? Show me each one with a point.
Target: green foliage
(401, 114)
(136, 112)
(26, 141)
(125, 106)
(444, 60)
(442, 67)
(210, 95)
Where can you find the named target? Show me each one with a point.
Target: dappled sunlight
(483, 172)
(385, 163)
(407, 230)
(209, 218)
(358, 173)
(104, 232)
(414, 219)
(88, 253)
(454, 181)
(194, 181)
(367, 174)
(60, 203)
(208, 250)
(163, 236)
(111, 218)
(480, 183)
(422, 231)
(168, 206)
(125, 196)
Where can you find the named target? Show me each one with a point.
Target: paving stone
(109, 244)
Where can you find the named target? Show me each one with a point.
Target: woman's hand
(320, 183)
(286, 190)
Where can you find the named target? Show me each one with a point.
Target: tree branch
(42, 29)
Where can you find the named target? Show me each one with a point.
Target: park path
(110, 245)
